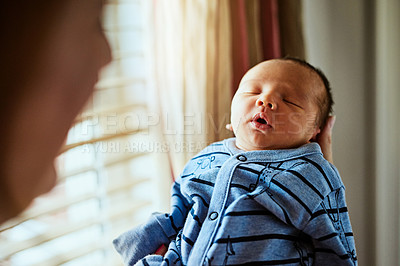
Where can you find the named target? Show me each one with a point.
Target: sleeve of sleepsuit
(331, 232)
(160, 229)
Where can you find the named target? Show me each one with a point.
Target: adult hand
(324, 139)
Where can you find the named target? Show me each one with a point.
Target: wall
(387, 131)
(336, 36)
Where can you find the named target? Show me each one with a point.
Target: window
(106, 182)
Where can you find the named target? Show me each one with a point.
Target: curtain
(262, 30)
(192, 80)
(290, 28)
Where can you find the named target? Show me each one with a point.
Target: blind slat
(109, 163)
(114, 82)
(119, 110)
(122, 28)
(54, 206)
(102, 138)
(10, 249)
(73, 254)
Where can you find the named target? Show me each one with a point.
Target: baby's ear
(315, 134)
(229, 127)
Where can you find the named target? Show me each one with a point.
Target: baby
(266, 197)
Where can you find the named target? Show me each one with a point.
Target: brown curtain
(269, 26)
(240, 41)
(191, 55)
(291, 28)
(262, 30)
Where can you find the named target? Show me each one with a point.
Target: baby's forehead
(282, 71)
(285, 72)
(276, 67)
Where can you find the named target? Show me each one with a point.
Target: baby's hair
(325, 103)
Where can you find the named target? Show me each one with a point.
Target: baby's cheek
(310, 125)
(237, 122)
(311, 120)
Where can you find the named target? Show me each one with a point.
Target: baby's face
(275, 106)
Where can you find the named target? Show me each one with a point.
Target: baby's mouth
(260, 121)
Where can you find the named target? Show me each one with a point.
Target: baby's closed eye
(251, 91)
(292, 103)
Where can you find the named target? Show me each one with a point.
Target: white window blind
(106, 179)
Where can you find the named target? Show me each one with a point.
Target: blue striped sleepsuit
(229, 207)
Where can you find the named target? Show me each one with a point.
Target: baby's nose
(266, 101)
